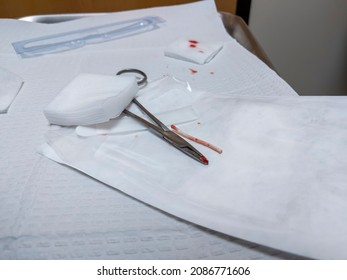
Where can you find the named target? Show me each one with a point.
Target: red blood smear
(193, 71)
(204, 160)
(192, 46)
(193, 41)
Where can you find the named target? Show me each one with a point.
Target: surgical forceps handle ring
(140, 81)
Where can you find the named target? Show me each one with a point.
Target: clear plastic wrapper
(168, 99)
(74, 39)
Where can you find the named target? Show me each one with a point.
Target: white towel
(193, 50)
(10, 86)
(91, 99)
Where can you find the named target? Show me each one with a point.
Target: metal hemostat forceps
(161, 130)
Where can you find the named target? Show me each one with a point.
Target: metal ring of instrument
(140, 80)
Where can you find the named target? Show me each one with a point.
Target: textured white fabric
(193, 50)
(10, 86)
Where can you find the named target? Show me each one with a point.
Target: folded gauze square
(193, 50)
(10, 86)
(91, 99)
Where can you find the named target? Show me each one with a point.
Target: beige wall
(20, 8)
(306, 40)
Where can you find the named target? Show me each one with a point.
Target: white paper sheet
(51, 211)
(280, 180)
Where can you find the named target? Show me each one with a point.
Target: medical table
(51, 211)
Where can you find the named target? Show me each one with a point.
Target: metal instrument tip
(204, 160)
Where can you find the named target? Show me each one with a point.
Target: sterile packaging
(74, 39)
(281, 171)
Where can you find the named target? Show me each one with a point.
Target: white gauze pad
(91, 99)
